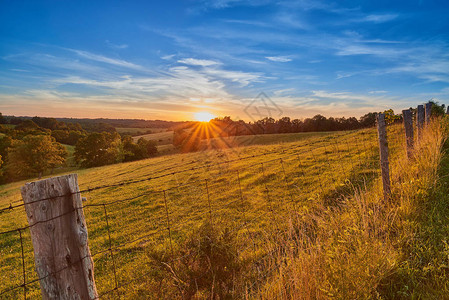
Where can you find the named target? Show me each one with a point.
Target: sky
(172, 59)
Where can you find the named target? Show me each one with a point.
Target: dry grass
(358, 249)
(320, 245)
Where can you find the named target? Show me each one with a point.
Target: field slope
(154, 205)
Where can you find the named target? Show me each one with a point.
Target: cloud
(381, 18)
(291, 20)
(116, 46)
(378, 92)
(107, 60)
(168, 57)
(179, 82)
(346, 49)
(198, 62)
(220, 4)
(278, 58)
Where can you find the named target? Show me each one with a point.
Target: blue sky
(170, 59)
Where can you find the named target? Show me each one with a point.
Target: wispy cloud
(198, 62)
(105, 59)
(116, 46)
(379, 18)
(168, 57)
(279, 58)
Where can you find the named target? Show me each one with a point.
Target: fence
(140, 225)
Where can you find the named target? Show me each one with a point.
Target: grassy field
(138, 131)
(248, 192)
(161, 138)
(261, 139)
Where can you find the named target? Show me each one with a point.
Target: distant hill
(117, 123)
(124, 123)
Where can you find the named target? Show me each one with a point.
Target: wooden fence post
(59, 235)
(383, 150)
(408, 125)
(420, 121)
(428, 112)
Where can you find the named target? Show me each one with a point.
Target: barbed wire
(10, 207)
(205, 184)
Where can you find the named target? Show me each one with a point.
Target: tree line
(36, 145)
(189, 139)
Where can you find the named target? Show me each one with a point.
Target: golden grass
(293, 199)
(357, 249)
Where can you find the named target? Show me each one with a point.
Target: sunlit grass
(368, 248)
(281, 180)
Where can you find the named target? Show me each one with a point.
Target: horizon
(172, 60)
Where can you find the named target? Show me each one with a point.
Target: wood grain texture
(383, 149)
(428, 112)
(59, 236)
(408, 125)
(420, 121)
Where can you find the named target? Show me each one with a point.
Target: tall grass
(369, 248)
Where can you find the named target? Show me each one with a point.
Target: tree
(437, 110)
(27, 125)
(33, 155)
(391, 117)
(148, 148)
(368, 120)
(98, 149)
(140, 150)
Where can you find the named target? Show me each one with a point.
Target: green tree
(368, 120)
(437, 110)
(140, 150)
(391, 117)
(147, 148)
(33, 155)
(98, 149)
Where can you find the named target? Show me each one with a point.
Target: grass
(134, 131)
(297, 194)
(262, 139)
(367, 248)
(161, 138)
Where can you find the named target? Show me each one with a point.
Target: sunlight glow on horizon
(203, 116)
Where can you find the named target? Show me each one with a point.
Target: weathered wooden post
(59, 235)
(420, 121)
(428, 112)
(408, 125)
(447, 111)
(383, 149)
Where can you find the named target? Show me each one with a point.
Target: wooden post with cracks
(420, 121)
(59, 235)
(383, 149)
(408, 125)
(428, 112)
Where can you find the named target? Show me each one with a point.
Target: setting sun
(203, 116)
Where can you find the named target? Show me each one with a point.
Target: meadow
(246, 199)
(135, 131)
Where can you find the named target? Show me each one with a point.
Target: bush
(208, 265)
